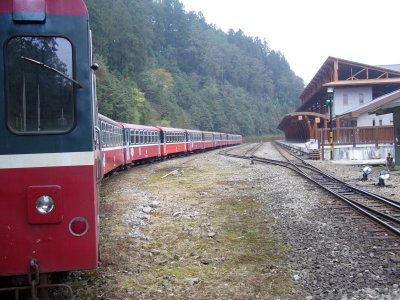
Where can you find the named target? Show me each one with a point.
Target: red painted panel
(173, 148)
(143, 152)
(29, 5)
(112, 159)
(55, 248)
(57, 7)
(208, 144)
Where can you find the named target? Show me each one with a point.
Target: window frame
(74, 88)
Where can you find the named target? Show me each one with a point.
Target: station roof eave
(361, 82)
(336, 72)
(286, 121)
(381, 105)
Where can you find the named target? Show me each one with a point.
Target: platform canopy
(302, 126)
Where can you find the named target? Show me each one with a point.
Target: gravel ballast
(154, 231)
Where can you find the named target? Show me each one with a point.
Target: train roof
(171, 129)
(26, 10)
(194, 130)
(135, 126)
(102, 117)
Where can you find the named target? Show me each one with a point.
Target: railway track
(381, 210)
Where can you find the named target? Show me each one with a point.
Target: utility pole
(329, 103)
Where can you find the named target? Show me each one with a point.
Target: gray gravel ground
(332, 253)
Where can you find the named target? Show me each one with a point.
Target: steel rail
(306, 165)
(328, 181)
(366, 210)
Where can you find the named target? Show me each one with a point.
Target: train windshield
(40, 93)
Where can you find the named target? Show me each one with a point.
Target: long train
(55, 148)
(125, 144)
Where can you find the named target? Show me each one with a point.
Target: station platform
(347, 155)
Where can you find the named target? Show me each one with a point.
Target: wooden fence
(357, 135)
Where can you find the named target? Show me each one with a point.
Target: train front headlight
(44, 204)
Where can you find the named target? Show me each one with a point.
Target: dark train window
(40, 89)
(132, 137)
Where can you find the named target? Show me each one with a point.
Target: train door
(158, 133)
(127, 144)
(166, 137)
(141, 134)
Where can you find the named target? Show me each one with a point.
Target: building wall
(349, 98)
(370, 120)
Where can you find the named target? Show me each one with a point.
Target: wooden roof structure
(336, 72)
(301, 126)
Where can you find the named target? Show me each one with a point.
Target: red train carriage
(194, 140)
(111, 144)
(216, 139)
(234, 139)
(141, 143)
(208, 139)
(48, 171)
(224, 140)
(173, 141)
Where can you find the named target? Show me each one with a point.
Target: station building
(357, 91)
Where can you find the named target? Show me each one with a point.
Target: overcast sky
(308, 31)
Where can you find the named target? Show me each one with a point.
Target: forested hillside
(163, 66)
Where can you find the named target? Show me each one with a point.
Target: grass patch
(243, 259)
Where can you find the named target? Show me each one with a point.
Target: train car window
(109, 138)
(112, 135)
(107, 135)
(39, 85)
(112, 132)
(132, 136)
(102, 133)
